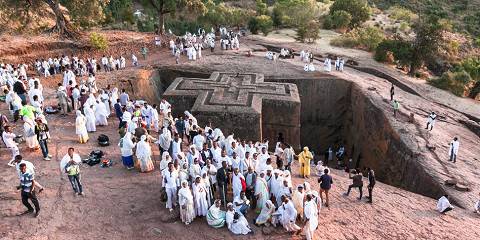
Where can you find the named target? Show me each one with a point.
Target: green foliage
(253, 25)
(85, 13)
(265, 24)
(119, 11)
(308, 32)
(338, 20)
(358, 10)
(293, 13)
(401, 50)
(427, 42)
(146, 25)
(367, 38)
(456, 82)
(98, 41)
(277, 16)
(472, 23)
(402, 14)
(179, 27)
(261, 7)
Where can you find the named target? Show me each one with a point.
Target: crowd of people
(219, 178)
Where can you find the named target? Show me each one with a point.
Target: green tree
(164, 7)
(308, 32)
(261, 7)
(119, 11)
(341, 19)
(295, 13)
(358, 10)
(85, 13)
(265, 24)
(253, 25)
(427, 43)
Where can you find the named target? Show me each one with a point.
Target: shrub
(147, 25)
(253, 25)
(98, 41)
(265, 24)
(340, 19)
(455, 82)
(367, 38)
(358, 10)
(402, 14)
(308, 32)
(400, 49)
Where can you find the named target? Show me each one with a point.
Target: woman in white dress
(144, 155)
(266, 213)
(80, 127)
(101, 114)
(104, 98)
(200, 196)
(185, 200)
(236, 222)
(90, 118)
(113, 97)
(164, 140)
(30, 136)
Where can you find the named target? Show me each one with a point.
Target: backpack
(103, 140)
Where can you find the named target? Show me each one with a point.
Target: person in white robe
(261, 191)
(104, 98)
(170, 179)
(284, 190)
(166, 159)
(185, 200)
(236, 222)
(443, 205)
(237, 182)
(200, 197)
(195, 170)
(126, 147)
(183, 172)
(276, 182)
(311, 217)
(101, 114)
(81, 127)
(289, 215)
(216, 216)
(431, 120)
(90, 118)
(164, 140)
(453, 151)
(30, 136)
(297, 199)
(206, 182)
(144, 155)
(266, 214)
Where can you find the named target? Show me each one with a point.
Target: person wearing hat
(41, 130)
(304, 159)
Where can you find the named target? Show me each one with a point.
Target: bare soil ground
(122, 204)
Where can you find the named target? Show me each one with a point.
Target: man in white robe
(311, 217)
(431, 120)
(454, 145)
(289, 215)
(237, 182)
(170, 178)
(261, 191)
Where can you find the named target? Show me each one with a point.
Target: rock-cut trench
(335, 112)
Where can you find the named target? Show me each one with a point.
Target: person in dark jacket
(19, 88)
(326, 182)
(371, 183)
(357, 182)
(180, 126)
(222, 181)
